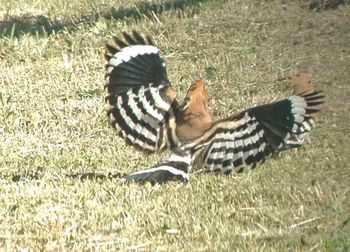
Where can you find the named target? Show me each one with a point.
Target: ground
(53, 128)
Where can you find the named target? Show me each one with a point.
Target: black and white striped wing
(253, 135)
(176, 168)
(139, 94)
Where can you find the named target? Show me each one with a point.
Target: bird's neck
(193, 121)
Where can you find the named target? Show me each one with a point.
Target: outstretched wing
(176, 168)
(141, 99)
(253, 135)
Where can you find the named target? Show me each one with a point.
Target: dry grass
(53, 125)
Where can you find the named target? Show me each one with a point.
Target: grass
(53, 127)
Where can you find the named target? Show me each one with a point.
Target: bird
(144, 110)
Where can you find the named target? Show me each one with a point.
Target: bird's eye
(193, 87)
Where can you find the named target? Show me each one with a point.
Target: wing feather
(141, 100)
(249, 138)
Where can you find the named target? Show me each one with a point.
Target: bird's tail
(175, 168)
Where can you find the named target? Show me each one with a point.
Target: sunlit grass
(53, 126)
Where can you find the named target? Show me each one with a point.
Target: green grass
(53, 125)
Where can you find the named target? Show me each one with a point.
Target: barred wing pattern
(139, 93)
(253, 135)
(144, 110)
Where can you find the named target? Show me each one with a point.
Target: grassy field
(53, 128)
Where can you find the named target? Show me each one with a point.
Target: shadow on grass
(37, 175)
(96, 176)
(42, 25)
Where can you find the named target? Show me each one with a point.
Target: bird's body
(145, 111)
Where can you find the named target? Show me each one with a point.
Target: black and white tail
(176, 168)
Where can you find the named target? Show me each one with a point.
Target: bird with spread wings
(146, 113)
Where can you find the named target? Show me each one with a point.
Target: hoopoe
(146, 113)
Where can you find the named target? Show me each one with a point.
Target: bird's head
(194, 117)
(196, 99)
